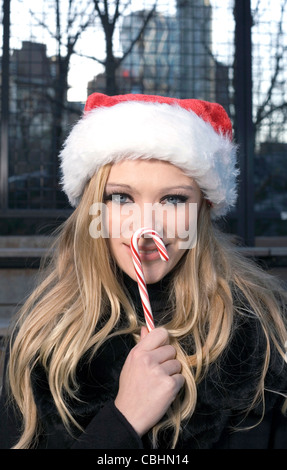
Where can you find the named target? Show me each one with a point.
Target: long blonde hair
(58, 323)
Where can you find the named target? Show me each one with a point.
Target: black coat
(223, 397)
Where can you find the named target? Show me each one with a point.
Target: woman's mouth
(148, 253)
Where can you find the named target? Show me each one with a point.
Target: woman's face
(155, 194)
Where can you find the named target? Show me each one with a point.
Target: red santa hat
(194, 135)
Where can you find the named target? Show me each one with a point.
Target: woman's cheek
(186, 226)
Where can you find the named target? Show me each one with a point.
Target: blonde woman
(82, 370)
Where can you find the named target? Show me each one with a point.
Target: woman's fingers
(154, 339)
(144, 332)
(160, 355)
(149, 381)
(171, 367)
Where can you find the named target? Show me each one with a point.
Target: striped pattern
(139, 270)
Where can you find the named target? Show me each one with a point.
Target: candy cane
(139, 270)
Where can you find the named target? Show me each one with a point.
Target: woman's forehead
(146, 169)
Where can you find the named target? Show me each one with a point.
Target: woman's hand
(149, 381)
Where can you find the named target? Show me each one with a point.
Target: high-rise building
(153, 63)
(174, 53)
(196, 64)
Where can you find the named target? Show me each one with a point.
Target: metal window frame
(245, 215)
(5, 107)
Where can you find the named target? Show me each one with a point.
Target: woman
(83, 371)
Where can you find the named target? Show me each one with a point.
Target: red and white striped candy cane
(139, 270)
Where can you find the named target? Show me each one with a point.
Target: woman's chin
(152, 276)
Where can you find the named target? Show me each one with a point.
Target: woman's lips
(146, 249)
(148, 253)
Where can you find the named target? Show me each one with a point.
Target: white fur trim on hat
(132, 130)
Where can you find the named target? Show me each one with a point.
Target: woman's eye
(119, 198)
(174, 199)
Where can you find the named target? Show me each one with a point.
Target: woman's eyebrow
(119, 185)
(173, 188)
(170, 188)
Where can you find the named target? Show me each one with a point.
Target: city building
(196, 63)
(153, 63)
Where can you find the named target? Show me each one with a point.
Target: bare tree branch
(106, 9)
(109, 22)
(71, 16)
(125, 7)
(81, 29)
(102, 62)
(269, 112)
(117, 13)
(97, 8)
(43, 25)
(58, 26)
(68, 29)
(72, 39)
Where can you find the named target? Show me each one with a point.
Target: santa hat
(194, 135)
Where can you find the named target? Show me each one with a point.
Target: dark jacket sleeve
(109, 430)
(9, 418)
(9, 424)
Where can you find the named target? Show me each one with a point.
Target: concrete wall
(15, 286)
(19, 263)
